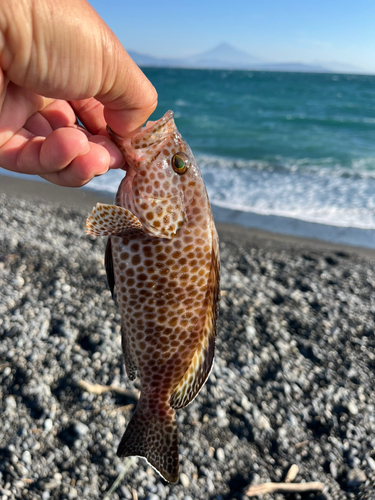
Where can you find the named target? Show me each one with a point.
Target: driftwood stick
(99, 389)
(261, 489)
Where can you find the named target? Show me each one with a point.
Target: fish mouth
(145, 145)
(154, 132)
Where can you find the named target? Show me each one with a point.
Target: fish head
(161, 177)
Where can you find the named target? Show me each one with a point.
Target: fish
(162, 263)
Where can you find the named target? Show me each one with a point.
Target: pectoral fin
(107, 220)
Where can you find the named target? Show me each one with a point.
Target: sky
(324, 32)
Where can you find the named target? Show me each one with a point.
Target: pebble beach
(292, 382)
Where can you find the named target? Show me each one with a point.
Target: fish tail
(152, 434)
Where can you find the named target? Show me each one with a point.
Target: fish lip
(169, 115)
(134, 149)
(162, 132)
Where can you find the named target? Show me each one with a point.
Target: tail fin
(152, 434)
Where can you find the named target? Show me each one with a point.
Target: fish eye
(180, 163)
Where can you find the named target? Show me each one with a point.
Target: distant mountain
(294, 67)
(224, 56)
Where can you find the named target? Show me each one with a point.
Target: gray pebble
(355, 477)
(184, 480)
(26, 457)
(81, 429)
(220, 455)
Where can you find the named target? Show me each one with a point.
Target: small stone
(352, 408)
(160, 489)
(356, 477)
(220, 412)
(48, 425)
(371, 463)
(11, 402)
(250, 332)
(245, 403)
(19, 484)
(220, 455)
(73, 493)
(184, 480)
(81, 429)
(333, 469)
(58, 477)
(223, 422)
(18, 282)
(26, 457)
(292, 473)
(263, 423)
(46, 495)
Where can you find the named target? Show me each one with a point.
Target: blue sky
(318, 31)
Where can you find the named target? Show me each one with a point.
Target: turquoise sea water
(295, 145)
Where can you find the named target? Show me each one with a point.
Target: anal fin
(107, 220)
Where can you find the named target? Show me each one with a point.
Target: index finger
(130, 100)
(91, 113)
(128, 110)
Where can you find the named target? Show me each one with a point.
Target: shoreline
(234, 225)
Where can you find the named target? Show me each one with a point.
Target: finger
(131, 98)
(90, 113)
(38, 125)
(4, 81)
(37, 155)
(82, 169)
(115, 155)
(19, 105)
(127, 121)
(59, 114)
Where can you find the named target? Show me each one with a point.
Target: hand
(60, 61)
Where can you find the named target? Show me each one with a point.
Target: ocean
(289, 152)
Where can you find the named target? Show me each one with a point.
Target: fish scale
(162, 261)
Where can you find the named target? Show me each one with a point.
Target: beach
(292, 381)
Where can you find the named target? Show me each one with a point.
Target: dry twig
(99, 389)
(119, 478)
(261, 489)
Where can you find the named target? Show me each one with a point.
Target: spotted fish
(162, 262)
